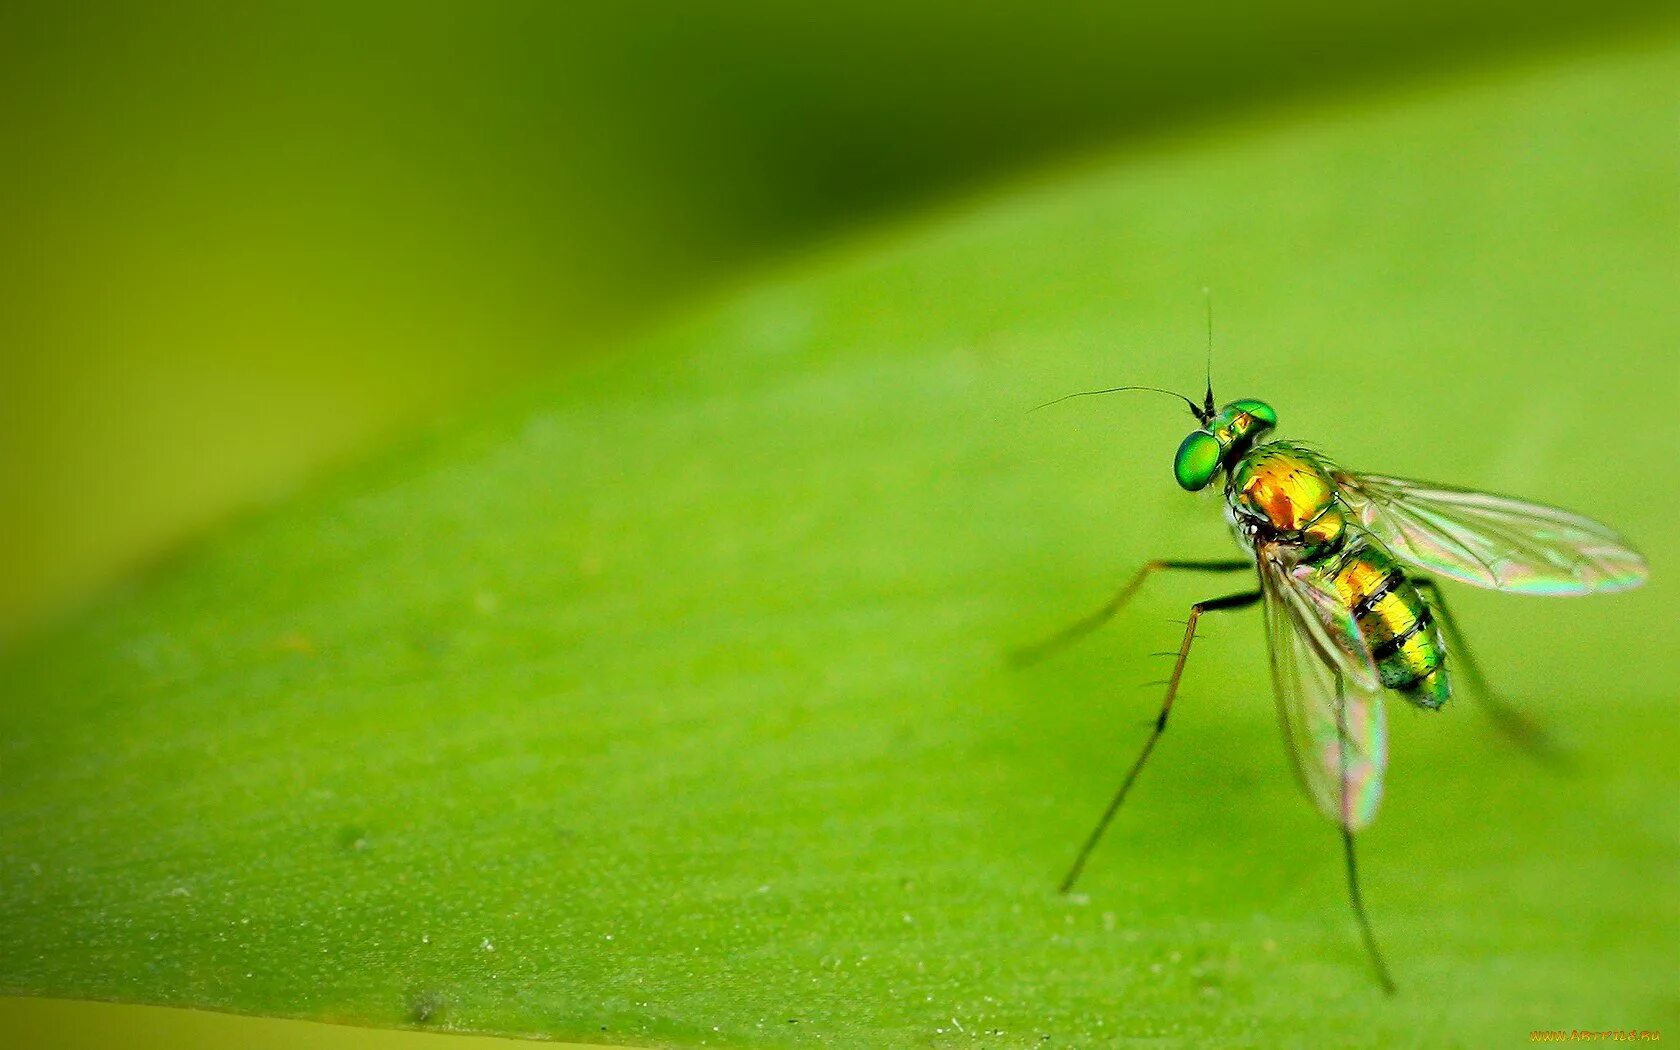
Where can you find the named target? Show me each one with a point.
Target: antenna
(1203, 413)
(1207, 298)
(1117, 389)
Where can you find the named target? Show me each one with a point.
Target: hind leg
(1516, 727)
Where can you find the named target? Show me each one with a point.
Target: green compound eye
(1197, 460)
(1265, 413)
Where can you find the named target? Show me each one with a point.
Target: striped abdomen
(1393, 618)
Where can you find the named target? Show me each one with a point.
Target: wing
(1329, 698)
(1491, 541)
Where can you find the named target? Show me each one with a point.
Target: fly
(1346, 567)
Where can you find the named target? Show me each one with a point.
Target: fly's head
(1223, 438)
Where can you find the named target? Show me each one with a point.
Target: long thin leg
(1231, 601)
(1354, 896)
(1085, 625)
(1359, 913)
(1517, 727)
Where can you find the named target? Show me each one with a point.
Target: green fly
(1347, 566)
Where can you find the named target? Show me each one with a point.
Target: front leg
(1080, 628)
(1230, 601)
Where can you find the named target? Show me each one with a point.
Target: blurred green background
(242, 241)
(703, 587)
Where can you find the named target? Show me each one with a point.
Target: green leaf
(667, 704)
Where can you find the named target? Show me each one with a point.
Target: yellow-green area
(53, 1024)
(244, 241)
(666, 703)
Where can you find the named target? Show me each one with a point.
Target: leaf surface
(666, 703)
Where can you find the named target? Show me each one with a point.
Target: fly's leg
(1377, 962)
(1354, 896)
(1231, 601)
(1516, 726)
(1085, 625)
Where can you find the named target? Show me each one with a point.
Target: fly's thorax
(1286, 491)
(1326, 533)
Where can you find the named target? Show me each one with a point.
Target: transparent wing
(1329, 699)
(1315, 611)
(1491, 541)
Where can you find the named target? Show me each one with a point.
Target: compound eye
(1197, 460)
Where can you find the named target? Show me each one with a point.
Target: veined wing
(1329, 698)
(1491, 541)
(1314, 610)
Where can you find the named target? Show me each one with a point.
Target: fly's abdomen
(1394, 620)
